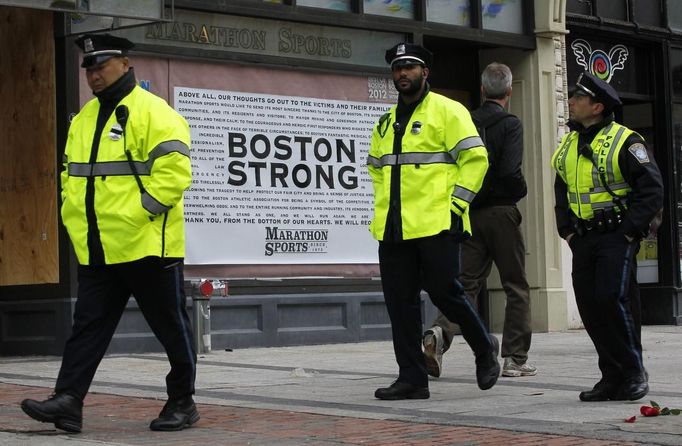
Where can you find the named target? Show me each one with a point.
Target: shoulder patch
(638, 150)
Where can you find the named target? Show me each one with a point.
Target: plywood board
(28, 174)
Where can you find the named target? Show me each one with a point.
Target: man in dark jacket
(496, 235)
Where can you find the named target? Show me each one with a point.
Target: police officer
(608, 189)
(427, 162)
(126, 165)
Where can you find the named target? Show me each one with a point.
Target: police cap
(408, 54)
(590, 85)
(98, 48)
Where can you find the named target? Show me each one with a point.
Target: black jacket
(504, 183)
(645, 199)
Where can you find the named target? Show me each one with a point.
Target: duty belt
(605, 220)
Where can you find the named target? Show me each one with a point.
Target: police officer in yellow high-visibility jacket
(126, 167)
(427, 162)
(607, 191)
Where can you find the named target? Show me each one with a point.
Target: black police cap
(590, 85)
(408, 54)
(98, 48)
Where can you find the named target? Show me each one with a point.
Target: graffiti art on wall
(597, 61)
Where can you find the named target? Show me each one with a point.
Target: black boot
(602, 391)
(402, 391)
(62, 409)
(634, 388)
(487, 366)
(177, 414)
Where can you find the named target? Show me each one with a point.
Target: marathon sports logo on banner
(598, 62)
(295, 240)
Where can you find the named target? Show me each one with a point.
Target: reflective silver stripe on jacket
(609, 163)
(152, 205)
(463, 194)
(560, 161)
(605, 205)
(106, 169)
(613, 187)
(112, 168)
(410, 158)
(167, 147)
(465, 144)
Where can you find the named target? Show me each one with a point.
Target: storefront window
(676, 68)
(337, 5)
(648, 14)
(502, 15)
(583, 7)
(614, 9)
(677, 147)
(452, 12)
(403, 9)
(674, 15)
(640, 118)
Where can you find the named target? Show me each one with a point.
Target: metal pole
(201, 312)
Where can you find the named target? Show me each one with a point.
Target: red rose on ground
(649, 411)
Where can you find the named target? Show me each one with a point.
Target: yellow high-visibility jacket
(442, 164)
(132, 223)
(586, 191)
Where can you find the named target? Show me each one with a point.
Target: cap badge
(88, 46)
(400, 50)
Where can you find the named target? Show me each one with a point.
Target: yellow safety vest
(131, 224)
(585, 178)
(442, 161)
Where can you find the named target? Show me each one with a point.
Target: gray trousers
(497, 238)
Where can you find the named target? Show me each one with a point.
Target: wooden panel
(28, 183)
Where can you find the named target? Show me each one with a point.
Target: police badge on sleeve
(639, 152)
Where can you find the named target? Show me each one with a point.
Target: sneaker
(433, 351)
(513, 369)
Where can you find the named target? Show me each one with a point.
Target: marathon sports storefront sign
(278, 179)
(263, 37)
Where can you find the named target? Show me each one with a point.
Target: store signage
(220, 32)
(611, 61)
(599, 62)
(278, 179)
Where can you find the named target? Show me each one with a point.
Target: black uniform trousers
(432, 264)
(603, 273)
(103, 292)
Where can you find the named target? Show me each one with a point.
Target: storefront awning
(100, 15)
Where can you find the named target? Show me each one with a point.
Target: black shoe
(402, 391)
(487, 366)
(602, 391)
(62, 409)
(633, 389)
(176, 415)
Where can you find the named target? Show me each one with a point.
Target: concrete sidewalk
(324, 395)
